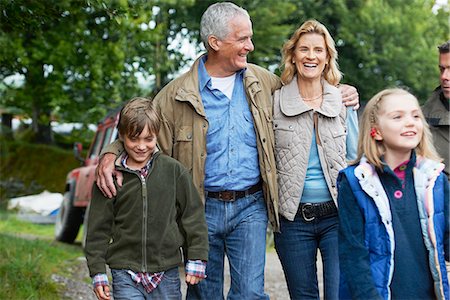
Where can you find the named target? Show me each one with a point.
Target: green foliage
(29, 169)
(388, 43)
(82, 135)
(79, 59)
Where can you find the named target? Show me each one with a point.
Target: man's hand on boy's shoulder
(104, 174)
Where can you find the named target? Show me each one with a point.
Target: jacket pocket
(250, 128)
(183, 146)
(284, 133)
(336, 141)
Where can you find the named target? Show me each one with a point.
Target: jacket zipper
(144, 224)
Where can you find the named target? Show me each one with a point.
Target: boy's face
(139, 148)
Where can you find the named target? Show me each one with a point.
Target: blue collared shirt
(232, 156)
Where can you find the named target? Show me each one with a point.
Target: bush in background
(27, 169)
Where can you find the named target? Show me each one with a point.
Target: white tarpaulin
(40, 208)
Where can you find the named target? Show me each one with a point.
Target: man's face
(444, 68)
(235, 47)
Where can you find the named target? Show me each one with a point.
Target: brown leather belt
(230, 196)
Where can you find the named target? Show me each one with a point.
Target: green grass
(9, 223)
(28, 258)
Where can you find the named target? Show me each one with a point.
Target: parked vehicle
(79, 181)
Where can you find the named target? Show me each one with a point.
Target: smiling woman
(311, 146)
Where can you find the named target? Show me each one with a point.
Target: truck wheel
(68, 220)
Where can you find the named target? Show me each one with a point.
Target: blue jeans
(297, 245)
(236, 229)
(125, 288)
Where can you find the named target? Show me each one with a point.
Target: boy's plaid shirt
(150, 281)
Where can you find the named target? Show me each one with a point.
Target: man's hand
(350, 96)
(104, 175)
(190, 279)
(102, 292)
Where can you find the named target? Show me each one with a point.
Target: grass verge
(27, 261)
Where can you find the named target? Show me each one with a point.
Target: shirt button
(402, 168)
(398, 194)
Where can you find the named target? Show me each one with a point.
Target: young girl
(393, 207)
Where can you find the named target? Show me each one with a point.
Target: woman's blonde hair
(331, 72)
(372, 149)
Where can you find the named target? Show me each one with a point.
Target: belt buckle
(228, 196)
(304, 208)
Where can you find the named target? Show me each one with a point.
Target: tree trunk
(42, 128)
(36, 86)
(6, 129)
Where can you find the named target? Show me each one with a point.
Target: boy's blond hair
(136, 115)
(372, 149)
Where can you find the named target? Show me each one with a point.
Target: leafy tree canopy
(78, 59)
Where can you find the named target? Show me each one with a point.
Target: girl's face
(400, 126)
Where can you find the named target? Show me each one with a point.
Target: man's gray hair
(216, 18)
(444, 48)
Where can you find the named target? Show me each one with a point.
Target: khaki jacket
(184, 126)
(294, 123)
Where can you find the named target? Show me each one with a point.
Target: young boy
(139, 233)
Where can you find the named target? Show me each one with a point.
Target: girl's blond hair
(331, 72)
(373, 150)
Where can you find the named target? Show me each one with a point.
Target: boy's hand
(102, 292)
(104, 175)
(350, 95)
(191, 279)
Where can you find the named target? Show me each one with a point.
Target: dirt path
(77, 287)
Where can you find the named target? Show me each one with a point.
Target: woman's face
(310, 56)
